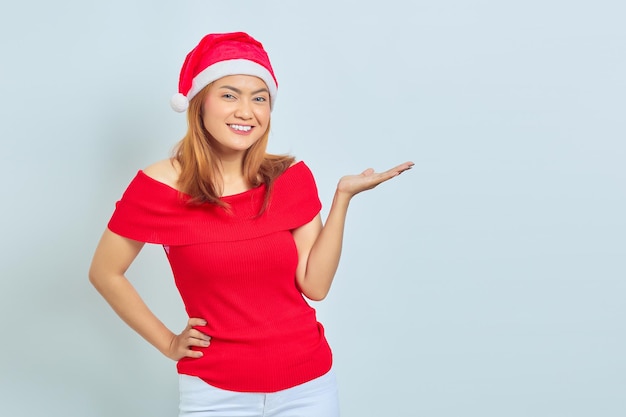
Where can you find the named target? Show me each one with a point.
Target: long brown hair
(199, 164)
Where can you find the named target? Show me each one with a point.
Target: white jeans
(316, 398)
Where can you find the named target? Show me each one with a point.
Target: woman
(242, 231)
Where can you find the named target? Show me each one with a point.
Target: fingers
(405, 166)
(195, 334)
(389, 174)
(397, 170)
(189, 342)
(351, 185)
(193, 354)
(194, 338)
(401, 168)
(392, 172)
(196, 322)
(199, 339)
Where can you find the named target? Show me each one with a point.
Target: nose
(244, 110)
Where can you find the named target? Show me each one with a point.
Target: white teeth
(242, 128)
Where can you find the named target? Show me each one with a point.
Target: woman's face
(236, 112)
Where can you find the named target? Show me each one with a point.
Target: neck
(231, 167)
(233, 179)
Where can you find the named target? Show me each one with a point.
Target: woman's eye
(260, 99)
(228, 96)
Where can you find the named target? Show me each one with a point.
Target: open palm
(368, 179)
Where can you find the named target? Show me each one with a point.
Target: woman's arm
(112, 258)
(319, 247)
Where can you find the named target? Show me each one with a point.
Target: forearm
(129, 306)
(325, 253)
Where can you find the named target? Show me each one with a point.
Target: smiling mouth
(241, 128)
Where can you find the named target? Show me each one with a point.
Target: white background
(487, 281)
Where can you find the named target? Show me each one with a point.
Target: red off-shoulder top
(236, 270)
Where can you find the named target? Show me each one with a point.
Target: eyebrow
(238, 91)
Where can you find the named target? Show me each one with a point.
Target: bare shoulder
(165, 171)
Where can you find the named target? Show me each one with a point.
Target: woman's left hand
(368, 179)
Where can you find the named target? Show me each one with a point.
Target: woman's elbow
(97, 277)
(94, 277)
(315, 294)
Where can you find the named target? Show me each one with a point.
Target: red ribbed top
(237, 271)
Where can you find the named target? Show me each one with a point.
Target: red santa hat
(218, 55)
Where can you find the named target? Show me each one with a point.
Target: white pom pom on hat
(218, 55)
(179, 102)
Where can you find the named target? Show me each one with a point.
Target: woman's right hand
(180, 345)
